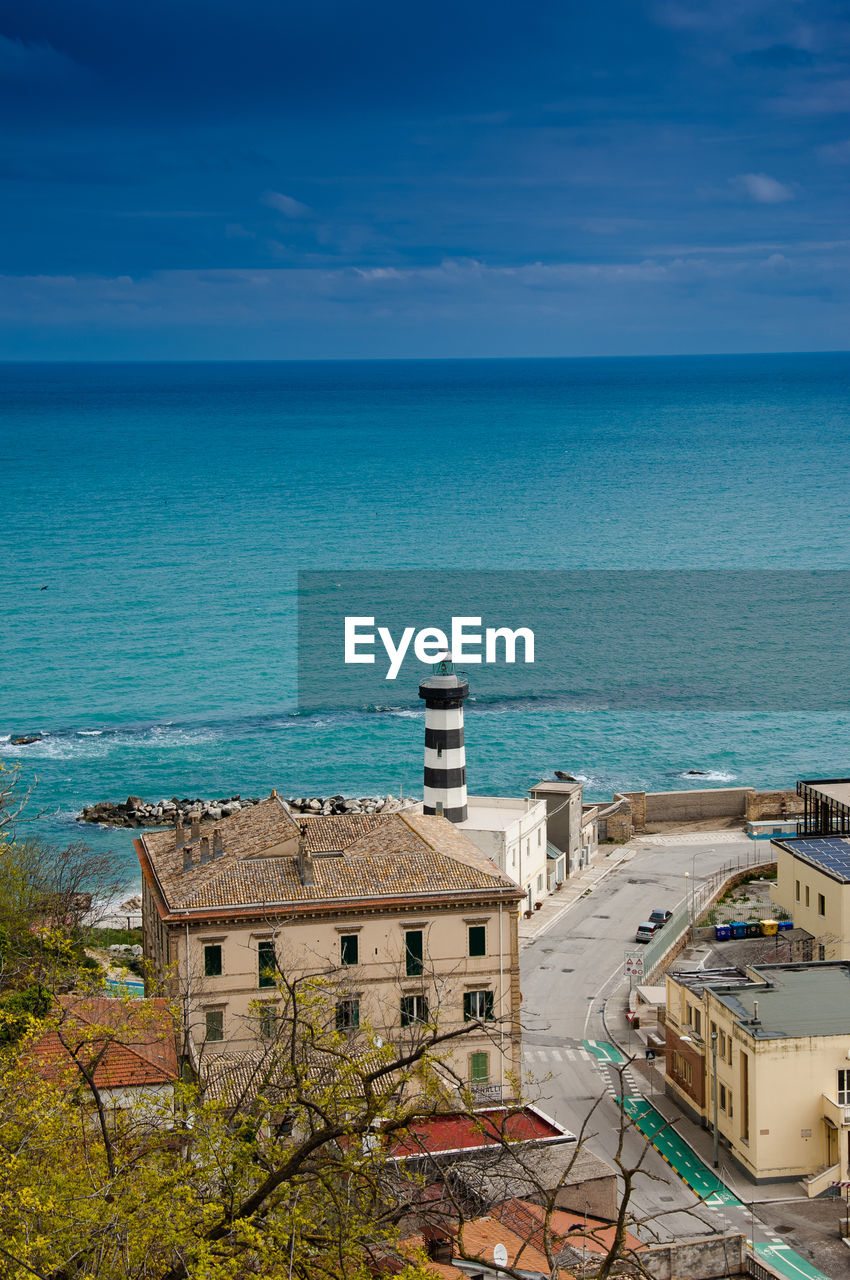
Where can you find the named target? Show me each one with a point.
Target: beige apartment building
(779, 1067)
(813, 886)
(410, 920)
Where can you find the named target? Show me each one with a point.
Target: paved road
(573, 991)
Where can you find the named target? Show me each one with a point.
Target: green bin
(754, 930)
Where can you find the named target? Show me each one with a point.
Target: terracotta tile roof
(356, 857)
(479, 1238)
(142, 1053)
(578, 1230)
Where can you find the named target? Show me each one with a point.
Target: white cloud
(762, 188)
(286, 205)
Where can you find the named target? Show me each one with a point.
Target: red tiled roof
(449, 1132)
(576, 1229)
(478, 1240)
(130, 1043)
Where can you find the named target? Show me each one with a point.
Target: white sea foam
(710, 775)
(89, 733)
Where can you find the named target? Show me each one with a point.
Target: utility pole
(714, 1092)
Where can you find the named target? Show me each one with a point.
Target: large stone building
(408, 915)
(769, 1045)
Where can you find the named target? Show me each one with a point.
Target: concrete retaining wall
(692, 806)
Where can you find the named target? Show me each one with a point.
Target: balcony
(836, 1113)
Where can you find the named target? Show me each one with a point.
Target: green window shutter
(479, 1068)
(478, 1006)
(266, 964)
(413, 952)
(413, 1009)
(348, 1015)
(214, 1024)
(212, 961)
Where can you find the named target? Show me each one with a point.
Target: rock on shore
(136, 812)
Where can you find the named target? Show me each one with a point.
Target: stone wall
(638, 806)
(706, 1258)
(773, 804)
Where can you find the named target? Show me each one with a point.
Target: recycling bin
(739, 929)
(722, 933)
(784, 924)
(753, 929)
(769, 928)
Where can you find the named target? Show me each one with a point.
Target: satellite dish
(500, 1255)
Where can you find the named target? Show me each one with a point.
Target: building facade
(813, 887)
(826, 806)
(406, 916)
(572, 825)
(511, 831)
(769, 1047)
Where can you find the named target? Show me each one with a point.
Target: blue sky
(272, 179)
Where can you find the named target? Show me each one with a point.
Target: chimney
(205, 849)
(179, 835)
(218, 848)
(187, 857)
(273, 795)
(755, 1011)
(305, 860)
(440, 1250)
(196, 828)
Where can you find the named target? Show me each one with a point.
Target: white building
(512, 832)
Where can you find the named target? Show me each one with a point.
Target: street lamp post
(714, 1092)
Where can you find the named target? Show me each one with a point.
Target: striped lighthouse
(445, 754)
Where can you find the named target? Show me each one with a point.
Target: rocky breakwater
(350, 804)
(136, 812)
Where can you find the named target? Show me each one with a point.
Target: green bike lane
(603, 1051)
(706, 1184)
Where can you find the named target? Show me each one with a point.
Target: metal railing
(698, 900)
(761, 1270)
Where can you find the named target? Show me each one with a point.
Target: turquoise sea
(154, 518)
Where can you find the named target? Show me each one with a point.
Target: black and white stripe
(445, 753)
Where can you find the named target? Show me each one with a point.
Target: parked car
(646, 931)
(659, 917)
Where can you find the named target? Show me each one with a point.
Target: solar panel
(830, 852)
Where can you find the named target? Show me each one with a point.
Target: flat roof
(495, 813)
(557, 788)
(833, 788)
(450, 1132)
(830, 854)
(794, 1000)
